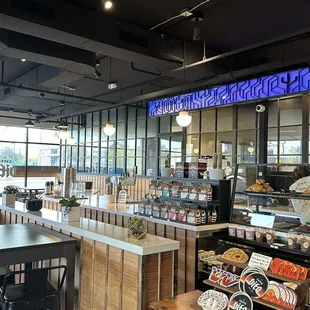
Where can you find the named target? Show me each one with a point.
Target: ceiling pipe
(143, 71)
(54, 93)
(215, 80)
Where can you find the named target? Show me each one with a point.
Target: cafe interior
(154, 156)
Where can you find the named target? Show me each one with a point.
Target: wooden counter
(118, 214)
(112, 273)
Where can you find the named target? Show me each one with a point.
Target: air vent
(7, 91)
(133, 38)
(34, 8)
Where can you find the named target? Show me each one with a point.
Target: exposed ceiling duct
(61, 22)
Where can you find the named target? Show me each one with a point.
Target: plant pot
(136, 232)
(73, 215)
(8, 199)
(216, 174)
(166, 172)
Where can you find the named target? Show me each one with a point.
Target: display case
(268, 229)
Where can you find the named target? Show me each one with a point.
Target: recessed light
(112, 85)
(23, 60)
(108, 5)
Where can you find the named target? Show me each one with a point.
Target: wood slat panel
(114, 278)
(106, 217)
(119, 220)
(112, 219)
(161, 230)
(150, 269)
(190, 260)
(166, 275)
(180, 235)
(151, 228)
(130, 287)
(100, 279)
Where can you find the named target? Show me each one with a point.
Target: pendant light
(63, 135)
(109, 129)
(29, 123)
(184, 119)
(63, 124)
(251, 148)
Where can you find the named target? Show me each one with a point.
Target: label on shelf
(261, 261)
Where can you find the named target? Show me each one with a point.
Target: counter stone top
(101, 232)
(98, 203)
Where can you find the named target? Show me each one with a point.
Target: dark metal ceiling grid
(138, 71)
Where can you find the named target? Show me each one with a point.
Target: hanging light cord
(179, 15)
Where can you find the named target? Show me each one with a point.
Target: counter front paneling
(112, 273)
(95, 207)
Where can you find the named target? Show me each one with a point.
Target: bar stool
(35, 294)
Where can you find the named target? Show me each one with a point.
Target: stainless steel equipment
(68, 177)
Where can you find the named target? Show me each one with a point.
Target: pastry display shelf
(234, 289)
(206, 181)
(268, 273)
(285, 251)
(275, 195)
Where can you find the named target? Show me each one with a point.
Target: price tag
(260, 261)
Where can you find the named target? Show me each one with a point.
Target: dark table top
(29, 235)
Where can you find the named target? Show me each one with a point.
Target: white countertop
(96, 202)
(101, 232)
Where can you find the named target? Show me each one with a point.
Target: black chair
(37, 293)
(3, 272)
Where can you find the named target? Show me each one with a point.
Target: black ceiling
(227, 25)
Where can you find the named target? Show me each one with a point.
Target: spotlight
(108, 5)
(23, 60)
(112, 85)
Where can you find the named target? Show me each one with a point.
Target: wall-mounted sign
(279, 84)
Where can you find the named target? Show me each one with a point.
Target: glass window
(140, 147)
(130, 163)
(140, 165)
(141, 113)
(96, 119)
(43, 136)
(43, 155)
(120, 148)
(141, 128)
(207, 144)
(103, 165)
(164, 124)
(88, 151)
(273, 114)
(272, 145)
(89, 119)
(121, 131)
(111, 149)
(112, 116)
(290, 140)
(82, 135)
(151, 148)
(208, 120)
(246, 143)
(247, 116)
(192, 145)
(131, 130)
(152, 127)
(224, 143)
(194, 125)
(15, 134)
(104, 117)
(121, 114)
(120, 165)
(290, 111)
(131, 114)
(13, 154)
(88, 134)
(151, 166)
(174, 125)
(104, 149)
(224, 119)
(131, 148)
(95, 134)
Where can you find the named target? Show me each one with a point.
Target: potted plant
(9, 195)
(70, 209)
(167, 171)
(136, 228)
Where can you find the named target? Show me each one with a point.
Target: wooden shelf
(268, 272)
(234, 289)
